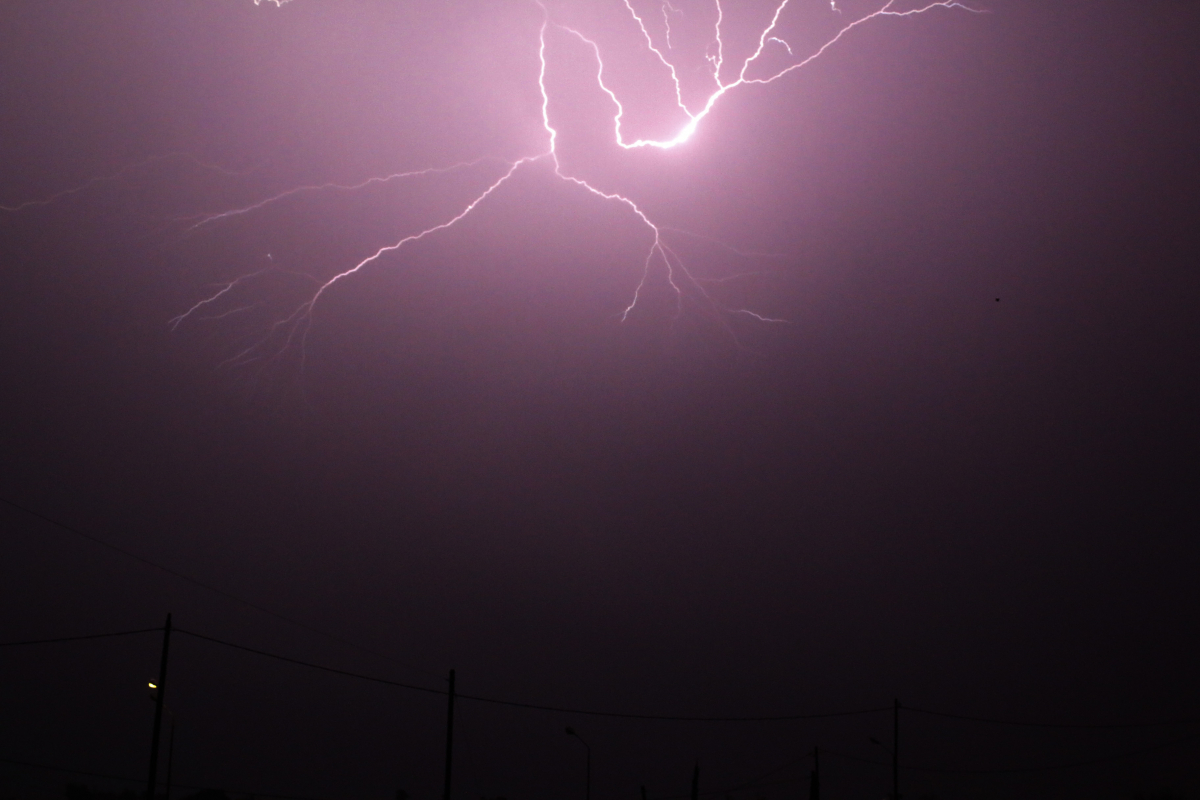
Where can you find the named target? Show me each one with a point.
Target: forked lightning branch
(660, 259)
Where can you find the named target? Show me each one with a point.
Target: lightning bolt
(96, 180)
(667, 11)
(787, 46)
(756, 315)
(201, 220)
(293, 328)
(717, 58)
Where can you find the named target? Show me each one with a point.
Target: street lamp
(588, 792)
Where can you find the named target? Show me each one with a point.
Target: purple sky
(961, 473)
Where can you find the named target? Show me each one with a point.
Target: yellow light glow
(152, 686)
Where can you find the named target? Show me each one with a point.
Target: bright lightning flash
(293, 328)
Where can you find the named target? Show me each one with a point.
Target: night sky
(959, 470)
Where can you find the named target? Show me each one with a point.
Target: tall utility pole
(160, 689)
(814, 782)
(170, 755)
(696, 782)
(449, 735)
(896, 751)
(588, 791)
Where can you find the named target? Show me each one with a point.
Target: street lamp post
(154, 697)
(588, 790)
(159, 690)
(170, 752)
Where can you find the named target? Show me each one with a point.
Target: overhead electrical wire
(79, 638)
(613, 714)
(203, 585)
(1076, 725)
(532, 706)
(653, 717)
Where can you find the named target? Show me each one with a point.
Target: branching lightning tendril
(117, 175)
(292, 328)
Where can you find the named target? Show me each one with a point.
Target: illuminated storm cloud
(723, 78)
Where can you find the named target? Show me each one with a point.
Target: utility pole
(696, 782)
(170, 755)
(814, 783)
(588, 791)
(449, 735)
(896, 751)
(643, 791)
(160, 689)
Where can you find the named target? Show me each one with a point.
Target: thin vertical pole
(814, 786)
(170, 755)
(587, 794)
(896, 751)
(696, 782)
(161, 689)
(643, 791)
(449, 735)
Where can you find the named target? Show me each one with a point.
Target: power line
(615, 714)
(624, 715)
(533, 706)
(1085, 726)
(310, 664)
(672, 718)
(175, 573)
(79, 638)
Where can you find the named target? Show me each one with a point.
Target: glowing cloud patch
(292, 328)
